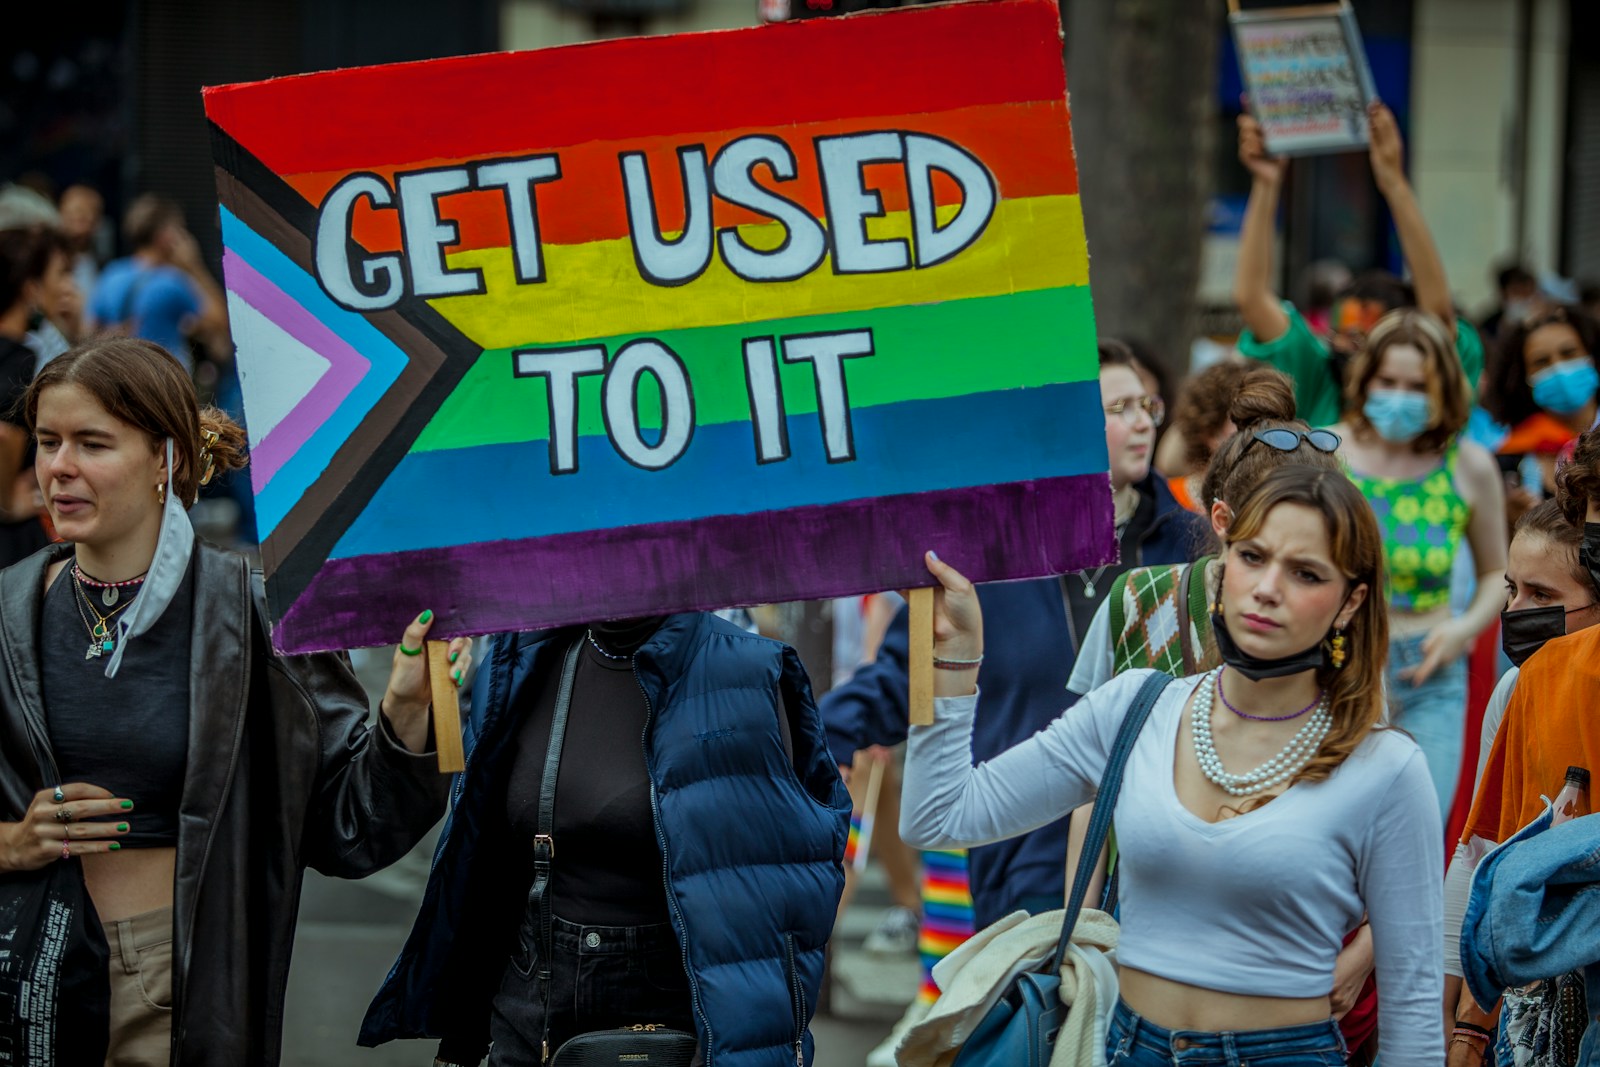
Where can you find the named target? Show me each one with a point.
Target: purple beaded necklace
(1265, 718)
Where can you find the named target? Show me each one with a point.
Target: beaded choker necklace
(110, 592)
(608, 655)
(1265, 718)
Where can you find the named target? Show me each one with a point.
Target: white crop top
(1257, 904)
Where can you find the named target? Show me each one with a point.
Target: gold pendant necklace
(100, 640)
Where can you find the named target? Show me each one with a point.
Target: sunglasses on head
(1285, 440)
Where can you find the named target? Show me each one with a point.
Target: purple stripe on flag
(989, 533)
(346, 366)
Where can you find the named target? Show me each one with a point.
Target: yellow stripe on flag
(595, 290)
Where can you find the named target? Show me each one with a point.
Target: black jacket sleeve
(372, 800)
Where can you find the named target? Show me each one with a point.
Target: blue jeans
(1134, 1041)
(1433, 713)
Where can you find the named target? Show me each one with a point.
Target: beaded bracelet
(1470, 1032)
(956, 664)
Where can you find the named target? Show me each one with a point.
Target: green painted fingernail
(454, 656)
(457, 677)
(116, 846)
(122, 827)
(425, 616)
(126, 804)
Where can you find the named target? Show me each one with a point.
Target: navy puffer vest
(753, 845)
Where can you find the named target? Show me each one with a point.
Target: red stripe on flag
(908, 62)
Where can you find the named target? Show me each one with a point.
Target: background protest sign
(1307, 76)
(663, 323)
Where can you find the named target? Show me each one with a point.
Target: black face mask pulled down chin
(1522, 633)
(1255, 668)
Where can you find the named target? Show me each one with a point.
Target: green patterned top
(1422, 523)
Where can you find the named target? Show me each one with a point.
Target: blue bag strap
(1105, 803)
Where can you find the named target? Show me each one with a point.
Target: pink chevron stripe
(346, 367)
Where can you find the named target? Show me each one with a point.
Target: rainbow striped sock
(946, 913)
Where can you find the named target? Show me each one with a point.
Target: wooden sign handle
(920, 662)
(446, 709)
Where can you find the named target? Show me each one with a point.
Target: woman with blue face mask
(1406, 402)
(1543, 384)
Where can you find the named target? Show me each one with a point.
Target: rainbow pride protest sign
(663, 323)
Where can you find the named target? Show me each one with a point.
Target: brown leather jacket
(284, 774)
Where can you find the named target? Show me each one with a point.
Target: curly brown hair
(1578, 483)
(1202, 408)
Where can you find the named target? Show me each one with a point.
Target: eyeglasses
(1286, 440)
(1129, 408)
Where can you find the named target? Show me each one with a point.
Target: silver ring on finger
(63, 815)
(58, 796)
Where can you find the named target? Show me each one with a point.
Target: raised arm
(1259, 305)
(949, 803)
(1387, 153)
(376, 789)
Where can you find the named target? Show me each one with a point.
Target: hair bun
(1265, 395)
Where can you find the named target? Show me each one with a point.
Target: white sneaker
(883, 1055)
(895, 934)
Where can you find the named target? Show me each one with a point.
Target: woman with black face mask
(1265, 810)
(1536, 718)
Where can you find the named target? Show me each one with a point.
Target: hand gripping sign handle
(446, 709)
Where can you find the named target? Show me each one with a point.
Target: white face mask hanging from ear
(174, 546)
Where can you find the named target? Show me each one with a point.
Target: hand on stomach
(1177, 1006)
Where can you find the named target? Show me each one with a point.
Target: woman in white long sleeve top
(1263, 812)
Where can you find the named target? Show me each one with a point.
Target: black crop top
(128, 734)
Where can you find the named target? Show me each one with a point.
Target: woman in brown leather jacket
(149, 735)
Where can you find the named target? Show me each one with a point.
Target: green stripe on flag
(921, 352)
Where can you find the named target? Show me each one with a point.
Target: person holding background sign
(1264, 813)
(1276, 333)
(151, 737)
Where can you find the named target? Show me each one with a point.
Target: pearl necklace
(1299, 752)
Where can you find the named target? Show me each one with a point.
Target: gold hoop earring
(161, 494)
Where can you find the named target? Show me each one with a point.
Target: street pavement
(351, 932)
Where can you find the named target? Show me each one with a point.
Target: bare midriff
(130, 882)
(1176, 1006)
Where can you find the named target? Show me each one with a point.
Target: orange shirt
(1552, 723)
(1538, 432)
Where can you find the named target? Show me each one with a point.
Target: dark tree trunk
(1141, 75)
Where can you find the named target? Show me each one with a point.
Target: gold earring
(161, 494)
(1338, 651)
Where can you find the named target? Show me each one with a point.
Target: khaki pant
(141, 990)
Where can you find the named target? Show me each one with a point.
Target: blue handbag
(1020, 1030)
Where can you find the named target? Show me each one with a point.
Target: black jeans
(603, 977)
